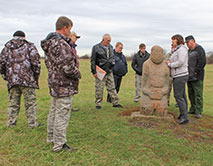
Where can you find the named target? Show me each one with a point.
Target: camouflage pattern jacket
(63, 74)
(20, 63)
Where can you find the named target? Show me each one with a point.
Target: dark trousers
(195, 93)
(180, 95)
(117, 80)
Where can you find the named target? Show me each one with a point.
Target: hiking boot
(198, 116)
(183, 121)
(118, 106)
(98, 107)
(75, 110)
(67, 148)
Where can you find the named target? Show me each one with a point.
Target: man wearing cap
(20, 67)
(74, 37)
(63, 80)
(197, 62)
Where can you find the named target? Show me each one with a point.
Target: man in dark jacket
(63, 79)
(137, 65)
(102, 57)
(20, 67)
(120, 68)
(197, 62)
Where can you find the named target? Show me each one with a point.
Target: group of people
(187, 66)
(20, 67)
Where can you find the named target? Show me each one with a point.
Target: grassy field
(108, 136)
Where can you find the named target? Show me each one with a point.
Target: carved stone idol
(155, 84)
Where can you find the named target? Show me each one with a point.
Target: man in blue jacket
(137, 65)
(120, 67)
(197, 62)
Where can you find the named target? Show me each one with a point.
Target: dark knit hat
(19, 34)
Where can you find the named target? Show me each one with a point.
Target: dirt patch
(196, 130)
(143, 124)
(129, 111)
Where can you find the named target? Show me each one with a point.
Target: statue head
(157, 55)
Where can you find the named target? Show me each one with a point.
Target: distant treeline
(209, 57)
(86, 56)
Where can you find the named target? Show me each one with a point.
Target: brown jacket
(63, 75)
(20, 63)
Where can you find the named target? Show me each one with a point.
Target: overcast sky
(132, 22)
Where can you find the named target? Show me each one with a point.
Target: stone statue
(155, 84)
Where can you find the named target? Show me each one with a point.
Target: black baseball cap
(190, 37)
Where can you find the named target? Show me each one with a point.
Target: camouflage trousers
(30, 105)
(108, 80)
(58, 120)
(138, 80)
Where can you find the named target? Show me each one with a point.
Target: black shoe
(179, 117)
(67, 148)
(118, 106)
(183, 121)
(98, 107)
(40, 125)
(191, 112)
(75, 110)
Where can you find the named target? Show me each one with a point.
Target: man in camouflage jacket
(63, 79)
(20, 67)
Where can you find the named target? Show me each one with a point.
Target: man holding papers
(102, 62)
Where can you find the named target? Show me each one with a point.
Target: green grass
(105, 138)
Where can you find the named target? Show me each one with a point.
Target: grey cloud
(132, 22)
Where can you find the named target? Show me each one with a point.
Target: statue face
(157, 55)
